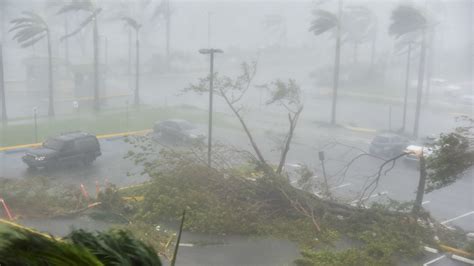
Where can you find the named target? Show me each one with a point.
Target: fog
(335, 87)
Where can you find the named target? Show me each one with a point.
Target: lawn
(107, 122)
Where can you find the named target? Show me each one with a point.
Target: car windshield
(53, 144)
(186, 125)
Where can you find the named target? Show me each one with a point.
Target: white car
(414, 152)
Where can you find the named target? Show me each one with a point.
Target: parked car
(178, 131)
(74, 147)
(388, 144)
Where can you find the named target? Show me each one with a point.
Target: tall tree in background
(409, 20)
(407, 45)
(275, 25)
(163, 11)
(323, 22)
(2, 89)
(55, 4)
(133, 24)
(359, 26)
(93, 11)
(30, 29)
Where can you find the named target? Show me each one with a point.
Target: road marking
(373, 196)
(425, 202)
(341, 186)
(432, 250)
(458, 217)
(435, 260)
(465, 260)
(186, 245)
(334, 188)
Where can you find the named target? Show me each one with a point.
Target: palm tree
(276, 25)
(408, 42)
(133, 24)
(30, 29)
(163, 10)
(23, 246)
(323, 22)
(409, 20)
(359, 26)
(93, 11)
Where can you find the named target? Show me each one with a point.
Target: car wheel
(87, 160)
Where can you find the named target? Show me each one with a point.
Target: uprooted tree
(232, 90)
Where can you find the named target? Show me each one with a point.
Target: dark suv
(64, 149)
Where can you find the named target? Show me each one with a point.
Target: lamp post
(210, 52)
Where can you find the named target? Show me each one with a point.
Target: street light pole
(211, 52)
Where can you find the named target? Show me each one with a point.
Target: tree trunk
(420, 192)
(2, 88)
(137, 74)
(66, 41)
(356, 51)
(429, 63)
(421, 76)
(50, 78)
(372, 51)
(407, 84)
(96, 66)
(293, 120)
(129, 62)
(168, 28)
(336, 65)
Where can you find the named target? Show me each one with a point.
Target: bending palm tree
(135, 26)
(323, 22)
(93, 11)
(408, 20)
(30, 29)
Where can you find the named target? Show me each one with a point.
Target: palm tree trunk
(372, 51)
(356, 51)
(137, 72)
(407, 84)
(2, 89)
(429, 63)
(66, 41)
(96, 66)
(168, 28)
(421, 76)
(420, 192)
(336, 65)
(50, 78)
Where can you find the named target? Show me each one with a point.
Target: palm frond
(30, 28)
(83, 24)
(131, 22)
(406, 19)
(21, 246)
(323, 22)
(32, 41)
(77, 5)
(116, 247)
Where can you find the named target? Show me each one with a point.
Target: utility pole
(210, 52)
(2, 89)
(337, 59)
(209, 29)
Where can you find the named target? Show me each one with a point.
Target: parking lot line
(373, 196)
(425, 202)
(458, 217)
(341, 186)
(434, 260)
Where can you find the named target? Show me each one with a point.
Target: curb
(23, 147)
(360, 129)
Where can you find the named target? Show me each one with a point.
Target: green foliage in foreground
(21, 246)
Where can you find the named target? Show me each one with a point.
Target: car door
(67, 153)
